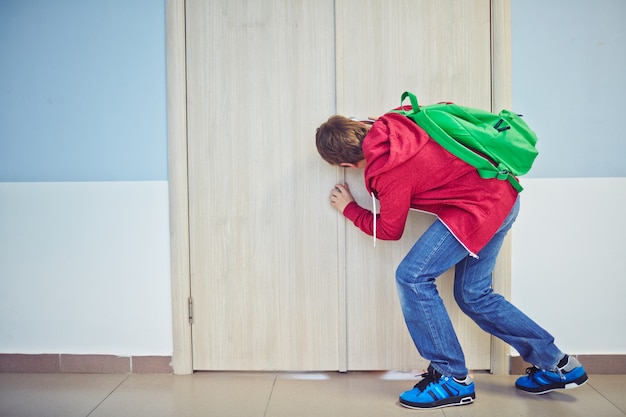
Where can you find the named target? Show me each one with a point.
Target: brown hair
(339, 140)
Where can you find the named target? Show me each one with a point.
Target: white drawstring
(374, 214)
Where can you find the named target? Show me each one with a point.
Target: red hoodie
(406, 169)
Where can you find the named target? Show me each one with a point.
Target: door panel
(263, 241)
(440, 50)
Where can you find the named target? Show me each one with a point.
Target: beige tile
(497, 396)
(332, 394)
(52, 395)
(201, 394)
(367, 394)
(361, 394)
(611, 387)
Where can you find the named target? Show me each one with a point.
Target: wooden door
(278, 279)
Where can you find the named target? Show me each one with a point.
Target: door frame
(182, 354)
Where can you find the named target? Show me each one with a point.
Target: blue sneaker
(436, 391)
(568, 374)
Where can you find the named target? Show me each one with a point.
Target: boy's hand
(340, 197)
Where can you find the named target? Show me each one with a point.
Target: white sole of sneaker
(463, 401)
(571, 385)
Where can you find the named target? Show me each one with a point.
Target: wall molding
(111, 364)
(182, 358)
(594, 364)
(85, 364)
(501, 97)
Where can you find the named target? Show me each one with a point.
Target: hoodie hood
(392, 140)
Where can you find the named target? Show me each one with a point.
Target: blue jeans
(426, 317)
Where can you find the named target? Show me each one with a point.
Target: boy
(404, 168)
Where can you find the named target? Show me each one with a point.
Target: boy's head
(339, 140)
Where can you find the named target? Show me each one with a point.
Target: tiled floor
(361, 394)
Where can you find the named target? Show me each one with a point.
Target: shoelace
(531, 371)
(427, 379)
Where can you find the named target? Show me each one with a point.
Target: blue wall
(569, 81)
(82, 90)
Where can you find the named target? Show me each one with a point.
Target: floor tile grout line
(108, 395)
(267, 405)
(607, 400)
(443, 411)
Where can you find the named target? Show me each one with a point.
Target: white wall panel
(84, 268)
(568, 261)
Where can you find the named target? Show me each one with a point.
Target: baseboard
(594, 364)
(110, 364)
(88, 364)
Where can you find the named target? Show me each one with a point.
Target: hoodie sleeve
(391, 142)
(362, 218)
(395, 202)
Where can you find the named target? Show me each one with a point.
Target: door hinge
(190, 301)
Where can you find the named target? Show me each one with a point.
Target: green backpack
(499, 146)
